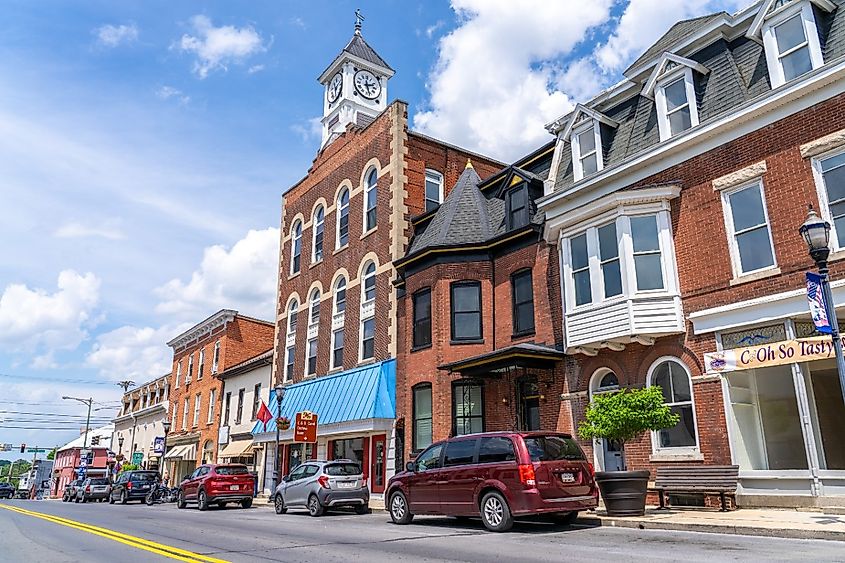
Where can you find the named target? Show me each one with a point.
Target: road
(58, 532)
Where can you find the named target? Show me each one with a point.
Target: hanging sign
(768, 355)
(815, 298)
(305, 428)
(158, 444)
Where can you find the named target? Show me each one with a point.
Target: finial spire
(359, 19)
(469, 164)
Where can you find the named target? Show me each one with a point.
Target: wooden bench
(720, 479)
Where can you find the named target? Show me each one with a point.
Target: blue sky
(144, 148)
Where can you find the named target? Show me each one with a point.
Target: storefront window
(674, 380)
(467, 408)
(351, 449)
(299, 453)
(753, 336)
(767, 426)
(828, 414)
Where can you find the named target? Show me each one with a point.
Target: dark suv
(499, 476)
(133, 485)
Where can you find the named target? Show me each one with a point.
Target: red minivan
(497, 475)
(217, 484)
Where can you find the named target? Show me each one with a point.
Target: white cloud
(216, 47)
(243, 278)
(255, 68)
(108, 230)
(309, 130)
(493, 86)
(113, 35)
(167, 92)
(298, 22)
(133, 353)
(432, 29)
(34, 319)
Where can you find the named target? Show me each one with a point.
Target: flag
(264, 415)
(815, 297)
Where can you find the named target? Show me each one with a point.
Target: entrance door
(378, 463)
(612, 452)
(529, 405)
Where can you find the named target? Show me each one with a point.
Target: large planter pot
(624, 492)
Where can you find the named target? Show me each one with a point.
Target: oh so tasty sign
(767, 355)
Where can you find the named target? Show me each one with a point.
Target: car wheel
(314, 507)
(84, 499)
(149, 498)
(279, 504)
(64, 498)
(123, 498)
(362, 509)
(495, 513)
(180, 500)
(400, 512)
(246, 503)
(202, 500)
(111, 498)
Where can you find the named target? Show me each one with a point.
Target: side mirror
(286, 478)
(411, 466)
(186, 477)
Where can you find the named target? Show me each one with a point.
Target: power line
(58, 379)
(4, 411)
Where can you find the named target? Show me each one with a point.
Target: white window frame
(342, 329)
(178, 373)
(215, 360)
(316, 342)
(811, 34)
(364, 278)
(186, 409)
(736, 263)
(679, 73)
(190, 375)
(173, 416)
(290, 352)
(436, 177)
(367, 189)
(197, 405)
(824, 200)
(293, 307)
(339, 209)
(210, 417)
(295, 237)
(577, 157)
(335, 290)
(361, 357)
(314, 301)
(201, 363)
(683, 451)
(315, 224)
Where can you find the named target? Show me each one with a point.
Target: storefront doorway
(608, 452)
(529, 404)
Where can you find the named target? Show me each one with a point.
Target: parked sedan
(217, 484)
(133, 485)
(318, 485)
(69, 493)
(93, 488)
(6, 490)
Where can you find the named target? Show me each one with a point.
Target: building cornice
(196, 332)
(142, 413)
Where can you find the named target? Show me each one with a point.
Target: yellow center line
(133, 541)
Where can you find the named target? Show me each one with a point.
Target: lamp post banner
(767, 355)
(815, 297)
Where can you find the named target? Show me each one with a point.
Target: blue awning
(362, 393)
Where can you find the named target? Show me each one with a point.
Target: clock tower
(355, 86)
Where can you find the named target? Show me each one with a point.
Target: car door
(423, 490)
(292, 486)
(189, 487)
(119, 486)
(459, 477)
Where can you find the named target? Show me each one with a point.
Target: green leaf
(624, 415)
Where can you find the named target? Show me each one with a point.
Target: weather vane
(359, 19)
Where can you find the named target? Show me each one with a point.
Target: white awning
(186, 452)
(236, 449)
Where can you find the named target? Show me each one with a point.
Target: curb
(785, 533)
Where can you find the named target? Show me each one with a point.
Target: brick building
(224, 339)
(480, 342)
(675, 200)
(343, 226)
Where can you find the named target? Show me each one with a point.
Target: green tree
(625, 415)
(52, 455)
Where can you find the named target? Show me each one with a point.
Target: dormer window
(791, 41)
(676, 109)
(517, 205)
(586, 154)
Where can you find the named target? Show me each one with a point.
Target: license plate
(233, 487)
(144, 487)
(346, 484)
(567, 477)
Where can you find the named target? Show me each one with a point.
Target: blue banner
(818, 310)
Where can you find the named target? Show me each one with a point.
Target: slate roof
(359, 48)
(675, 33)
(738, 74)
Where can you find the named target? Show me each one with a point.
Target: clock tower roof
(358, 50)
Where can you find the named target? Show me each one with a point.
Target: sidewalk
(750, 522)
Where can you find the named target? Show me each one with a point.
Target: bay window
(580, 269)
(648, 263)
(609, 259)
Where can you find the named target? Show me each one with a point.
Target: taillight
(88, 489)
(324, 481)
(129, 485)
(592, 470)
(527, 476)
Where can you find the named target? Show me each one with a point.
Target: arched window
(673, 378)
(340, 295)
(296, 247)
(313, 332)
(370, 196)
(342, 219)
(208, 452)
(604, 381)
(422, 416)
(290, 341)
(338, 329)
(319, 224)
(314, 308)
(368, 287)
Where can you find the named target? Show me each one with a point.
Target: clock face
(367, 84)
(335, 87)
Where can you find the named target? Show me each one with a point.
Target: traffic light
(95, 440)
(23, 448)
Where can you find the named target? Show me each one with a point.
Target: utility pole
(89, 401)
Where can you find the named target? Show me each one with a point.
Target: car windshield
(144, 477)
(99, 482)
(342, 469)
(232, 470)
(553, 448)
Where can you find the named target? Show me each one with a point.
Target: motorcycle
(160, 494)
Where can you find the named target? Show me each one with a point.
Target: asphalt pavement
(63, 532)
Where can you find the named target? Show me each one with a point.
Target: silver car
(93, 488)
(320, 485)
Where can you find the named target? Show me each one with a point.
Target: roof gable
(568, 122)
(667, 63)
(771, 7)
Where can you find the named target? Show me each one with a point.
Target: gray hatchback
(320, 485)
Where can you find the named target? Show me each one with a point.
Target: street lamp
(88, 402)
(166, 426)
(816, 233)
(280, 394)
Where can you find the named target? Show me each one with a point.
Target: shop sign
(768, 355)
(158, 444)
(137, 458)
(305, 427)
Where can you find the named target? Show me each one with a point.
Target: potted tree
(624, 416)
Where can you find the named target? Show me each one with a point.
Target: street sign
(137, 458)
(305, 428)
(5, 447)
(36, 450)
(84, 453)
